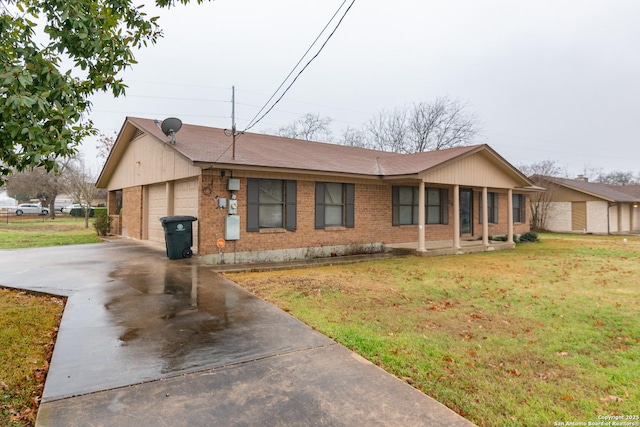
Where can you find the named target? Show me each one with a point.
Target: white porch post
(456, 216)
(620, 217)
(421, 217)
(510, 216)
(485, 218)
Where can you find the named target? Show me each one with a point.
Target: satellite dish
(170, 127)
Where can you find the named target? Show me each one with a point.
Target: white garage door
(157, 209)
(185, 202)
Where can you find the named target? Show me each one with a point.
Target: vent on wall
(137, 134)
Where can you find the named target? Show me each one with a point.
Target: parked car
(29, 209)
(77, 209)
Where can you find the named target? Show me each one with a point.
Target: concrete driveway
(146, 341)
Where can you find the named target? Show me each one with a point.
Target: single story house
(273, 198)
(580, 206)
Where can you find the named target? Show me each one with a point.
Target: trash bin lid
(183, 218)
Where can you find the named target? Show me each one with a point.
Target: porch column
(421, 217)
(456, 216)
(619, 217)
(510, 216)
(630, 217)
(485, 218)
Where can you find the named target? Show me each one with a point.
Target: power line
(255, 121)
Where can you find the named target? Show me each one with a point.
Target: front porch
(446, 247)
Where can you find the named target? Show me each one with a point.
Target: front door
(466, 211)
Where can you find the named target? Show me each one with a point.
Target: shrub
(102, 223)
(531, 236)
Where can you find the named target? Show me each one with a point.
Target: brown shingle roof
(613, 193)
(202, 144)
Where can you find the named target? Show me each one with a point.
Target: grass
(544, 334)
(28, 327)
(29, 232)
(28, 323)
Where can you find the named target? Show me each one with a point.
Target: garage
(157, 204)
(185, 202)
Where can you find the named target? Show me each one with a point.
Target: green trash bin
(178, 235)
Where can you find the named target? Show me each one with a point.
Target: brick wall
(501, 228)
(373, 219)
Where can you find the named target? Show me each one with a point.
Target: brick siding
(373, 218)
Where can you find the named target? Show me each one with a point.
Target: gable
(480, 169)
(563, 194)
(146, 160)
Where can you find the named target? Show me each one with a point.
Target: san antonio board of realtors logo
(180, 227)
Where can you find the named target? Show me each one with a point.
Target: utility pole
(233, 122)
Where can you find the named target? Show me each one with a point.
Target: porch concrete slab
(149, 341)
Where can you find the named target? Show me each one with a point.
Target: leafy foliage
(45, 85)
(102, 224)
(531, 236)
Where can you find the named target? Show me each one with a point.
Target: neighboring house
(577, 205)
(298, 199)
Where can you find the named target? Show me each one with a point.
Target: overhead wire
(255, 121)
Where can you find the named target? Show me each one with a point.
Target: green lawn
(546, 333)
(28, 326)
(29, 232)
(28, 323)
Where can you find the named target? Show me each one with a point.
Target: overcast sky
(549, 80)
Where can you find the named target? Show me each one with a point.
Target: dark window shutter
(523, 209)
(291, 207)
(319, 205)
(350, 192)
(444, 206)
(395, 203)
(253, 202)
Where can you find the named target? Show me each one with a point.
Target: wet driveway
(149, 341)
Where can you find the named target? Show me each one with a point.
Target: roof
(206, 147)
(608, 192)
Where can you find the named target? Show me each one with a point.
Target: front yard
(547, 333)
(33, 231)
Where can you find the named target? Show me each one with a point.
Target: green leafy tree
(54, 54)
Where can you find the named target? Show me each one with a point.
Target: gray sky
(549, 80)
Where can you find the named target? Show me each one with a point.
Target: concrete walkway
(145, 341)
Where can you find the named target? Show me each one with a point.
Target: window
(437, 202)
(405, 205)
(335, 205)
(271, 203)
(519, 208)
(492, 208)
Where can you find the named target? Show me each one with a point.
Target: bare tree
(541, 202)
(387, 131)
(310, 127)
(105, 144)
(617, 178)
(443, 123)
(81, 186)
(353, 138)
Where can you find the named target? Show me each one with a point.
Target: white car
(30, 209)
(76, 209)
